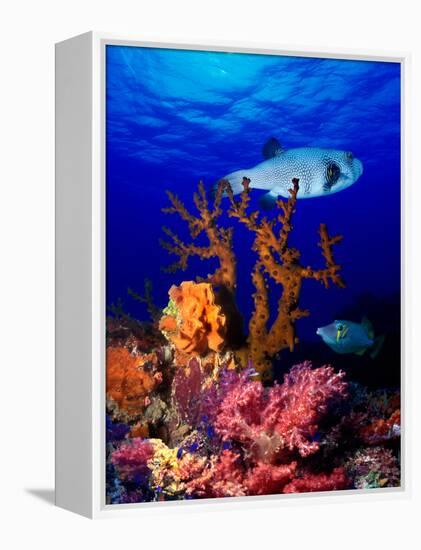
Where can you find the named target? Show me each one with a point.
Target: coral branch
(219, 238)
(280, 263)
(332, 268)
(147, 299)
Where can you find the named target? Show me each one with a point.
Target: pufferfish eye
(339, 327)
(349, 155)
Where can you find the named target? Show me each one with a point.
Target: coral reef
(230, 435)
(373, 468)
(275, 259)
(191, 409)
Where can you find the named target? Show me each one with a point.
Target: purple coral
(131, 459)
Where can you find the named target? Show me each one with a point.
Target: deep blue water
(177, 117)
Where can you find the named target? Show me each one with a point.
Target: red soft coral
(285, 417)
(267, 479)
(309, 482)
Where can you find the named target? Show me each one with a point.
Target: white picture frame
(80, 277)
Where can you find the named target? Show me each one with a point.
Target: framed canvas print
(229, 274)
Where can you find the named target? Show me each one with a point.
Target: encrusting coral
(192, 321)
(130, 378)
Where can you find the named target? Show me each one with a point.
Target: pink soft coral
(285, 417)
(131, 458)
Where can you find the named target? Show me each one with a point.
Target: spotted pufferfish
(320, 172)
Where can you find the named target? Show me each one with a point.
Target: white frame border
(99, 508)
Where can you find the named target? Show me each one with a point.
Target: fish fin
(272, 148)
(361, 352)
(377, 346)
(368, 326)
(268, 201)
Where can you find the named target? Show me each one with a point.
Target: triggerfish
(320, 172)
(350, 337)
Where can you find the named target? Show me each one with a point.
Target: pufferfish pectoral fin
(268, 200)
(272, 148)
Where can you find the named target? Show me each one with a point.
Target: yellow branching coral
(219, 238)
(280, 261)
(192, 321)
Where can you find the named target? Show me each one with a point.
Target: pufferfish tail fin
(377, 346)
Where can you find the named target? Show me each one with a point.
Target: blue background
(175, 117)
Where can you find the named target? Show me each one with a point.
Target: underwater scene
(253, 268)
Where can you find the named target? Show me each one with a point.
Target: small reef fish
(350, 337)
(320, 172)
